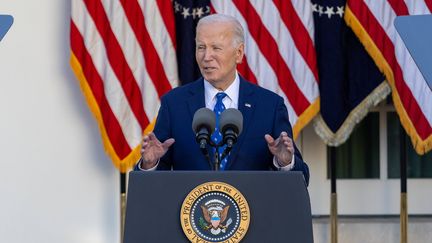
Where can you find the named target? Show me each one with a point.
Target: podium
(279, 205)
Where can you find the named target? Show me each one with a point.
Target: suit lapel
(246, 105)
(196, 99)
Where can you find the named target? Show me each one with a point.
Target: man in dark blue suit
(219, 48)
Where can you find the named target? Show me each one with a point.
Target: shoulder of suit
(183, 90)
(263, 92)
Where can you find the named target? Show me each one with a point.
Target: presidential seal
(215, 212)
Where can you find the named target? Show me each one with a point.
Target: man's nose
(208, 55)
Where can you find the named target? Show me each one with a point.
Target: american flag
(124, 55)
(373, 23)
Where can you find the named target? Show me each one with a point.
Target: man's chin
(210, 78)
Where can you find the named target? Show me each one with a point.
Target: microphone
(203, 124)
(231, 124)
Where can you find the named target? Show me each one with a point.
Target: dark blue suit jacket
(264, 112)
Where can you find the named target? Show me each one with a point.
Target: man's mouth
(209, 69)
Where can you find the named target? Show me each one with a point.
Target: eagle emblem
(215, 214)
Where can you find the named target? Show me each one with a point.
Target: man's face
(216, 54)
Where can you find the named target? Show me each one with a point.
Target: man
(219, 48)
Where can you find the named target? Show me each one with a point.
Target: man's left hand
(282, 148)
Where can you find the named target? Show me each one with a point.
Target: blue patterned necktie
(217, 136)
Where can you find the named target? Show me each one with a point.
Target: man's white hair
(223, 18)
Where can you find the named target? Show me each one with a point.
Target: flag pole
(122, 204)
(333, 197)
(403, 185)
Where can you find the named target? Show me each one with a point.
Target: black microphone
(203, 124)
(231, 124)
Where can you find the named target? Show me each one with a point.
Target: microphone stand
(227, 149)
(203, 147)
(203, 142)
(217, 159)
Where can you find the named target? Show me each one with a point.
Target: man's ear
(240, 53)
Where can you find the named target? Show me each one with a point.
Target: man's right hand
(152, 150)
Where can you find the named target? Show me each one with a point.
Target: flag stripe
(117, 60)
(399, 7)
(417, 7)
(168, 18)
(95, 82)
(267, 46)
(293, 23)
(155, 68)
(384, 43)
(429, 4)
(304, 12)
